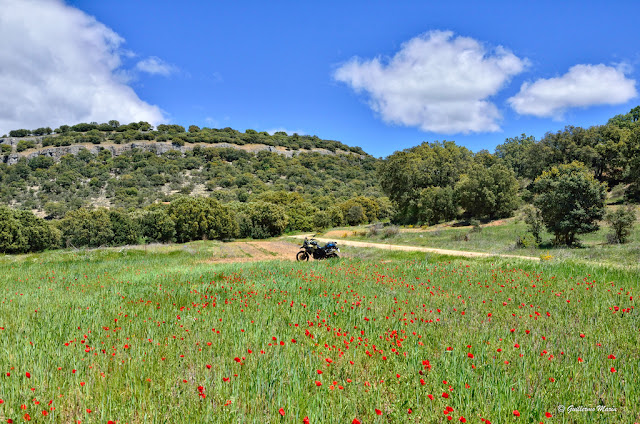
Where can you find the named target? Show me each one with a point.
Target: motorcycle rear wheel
(302, 256)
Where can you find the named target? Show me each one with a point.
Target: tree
(261, 220)
(86, 228)
(19, 133)
(157, 225)
(39, 234)
(404, 174)
(12, 240)
(437, 204)
(533, 219)
(488, 192)
(300, 216)
(355, 215)
(514, 152)
(201, 218)
(570, 200)
(125, 229)
(621, 222)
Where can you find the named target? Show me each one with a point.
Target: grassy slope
(142, 306)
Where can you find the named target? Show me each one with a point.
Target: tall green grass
(150, 330)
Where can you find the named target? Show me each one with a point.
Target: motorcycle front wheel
(302, 256)
(332, 256)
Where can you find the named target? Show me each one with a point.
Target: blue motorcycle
(311, 248)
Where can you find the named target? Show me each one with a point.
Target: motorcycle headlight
(338, 249)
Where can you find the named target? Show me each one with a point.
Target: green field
(500, 239)
(160, 335)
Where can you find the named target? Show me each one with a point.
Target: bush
(475, 224)
(25, 144)
(390, 231)
(526, 241)
(621, 222)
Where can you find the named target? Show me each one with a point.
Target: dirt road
(254, 251)
(416, 248)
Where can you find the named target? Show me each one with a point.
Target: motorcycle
(311, 248)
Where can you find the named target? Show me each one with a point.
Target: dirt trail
(431, 229)
(417, 248)
(254, 251)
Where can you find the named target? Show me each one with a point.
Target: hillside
(131, 166)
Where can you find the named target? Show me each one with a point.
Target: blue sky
(381, 75)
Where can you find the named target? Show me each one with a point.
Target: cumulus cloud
(582, 86)
(436, 82)
(155, 66)
(59, 65)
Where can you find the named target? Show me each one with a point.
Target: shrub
(526, 241)
(390, 231)
(25, 144)
(475, 224)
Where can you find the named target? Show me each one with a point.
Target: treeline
(565, 175)
(611, 152)
(182, 220)
(436, 182)
(136, 178)
(114, 132)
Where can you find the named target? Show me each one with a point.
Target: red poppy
(356, 421)
(281, 411)
(516, 413)
(305, 420)
(378, 412)
(548, 414)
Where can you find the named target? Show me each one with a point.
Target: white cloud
(289, 132)
(155, 66)
(59, 65)
(436, 82)
(582, 86)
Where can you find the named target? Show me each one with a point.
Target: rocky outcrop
(148, 146)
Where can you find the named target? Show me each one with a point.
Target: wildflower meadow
(111, 336)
